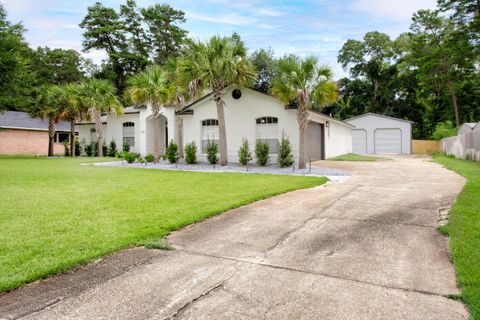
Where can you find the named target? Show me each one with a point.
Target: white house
(379, 134)
(248, 114)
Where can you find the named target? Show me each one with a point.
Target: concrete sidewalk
(366, 248)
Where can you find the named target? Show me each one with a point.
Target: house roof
(127, 110)
(23, 120)
(472, 125)
(377, 115)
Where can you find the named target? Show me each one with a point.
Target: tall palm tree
(151, 87)
(96, 97)
(306, 84)
(217, 64)
(73, 111)
(49, 105)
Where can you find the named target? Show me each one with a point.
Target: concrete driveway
(366, 248)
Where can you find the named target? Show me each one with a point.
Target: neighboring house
(379, 134)
(467, 127)
(250, 114)
(20, 134)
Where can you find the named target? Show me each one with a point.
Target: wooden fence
(425, 146)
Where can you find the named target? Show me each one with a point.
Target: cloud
(228, 18)
(392, 9)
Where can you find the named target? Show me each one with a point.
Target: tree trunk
(156, 139)
(222, 132)
(302, 117)
(72, 138)
(454, 102)
(179, 120)
(99, 133)
(51, 135)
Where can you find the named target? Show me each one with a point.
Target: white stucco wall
(84, 135)
(372, 122)
(240, 116)
(115, 130)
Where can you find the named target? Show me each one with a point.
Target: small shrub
(191, 153)
(261, 152)
(112, 149)
(285, 156)
(126, 146)
(104, 149)
(212, 151)
(120, 154)
(444, 130)
(130, 157)
(244, 154)
(91, 149)
(66, 146)
(171, 153)
(78, 148)
(149, 157)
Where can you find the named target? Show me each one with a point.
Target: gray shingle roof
(23, 120)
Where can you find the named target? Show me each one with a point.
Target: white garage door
(359, 141)
(388, 141)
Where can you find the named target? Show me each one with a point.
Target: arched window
(93, 135)
(209, 133)
(129, 133)
(267, 131)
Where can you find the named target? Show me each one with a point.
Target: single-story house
(379, 134)
(248, 114)
(20, 134)
(467, 127)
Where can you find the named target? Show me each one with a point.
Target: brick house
(20, 134)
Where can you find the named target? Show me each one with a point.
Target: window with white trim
(209, 133)
(129, 133)
(267, 131)
(61, 137)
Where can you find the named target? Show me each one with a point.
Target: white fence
(463, 146)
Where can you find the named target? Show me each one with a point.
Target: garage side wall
(371, 123)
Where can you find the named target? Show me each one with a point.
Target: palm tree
(151, 87)
(49, 105)
(73, 111)
(217, 64)
(94, 98)
(305, 84)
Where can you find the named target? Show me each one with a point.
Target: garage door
(388, 141)
(315, 141)
(359, 141)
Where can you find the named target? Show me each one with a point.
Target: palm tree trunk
(454, 102)
(302, 118)
(222, 132)
(99, 133)
(51, 135)
(72, 138)
(179, 120)
(156, 139)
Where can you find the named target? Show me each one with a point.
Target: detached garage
(378, 134)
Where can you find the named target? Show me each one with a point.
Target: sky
(317, 27)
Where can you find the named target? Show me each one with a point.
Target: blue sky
(317, 27)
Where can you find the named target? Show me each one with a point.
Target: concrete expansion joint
(314, 273)
(381, 221)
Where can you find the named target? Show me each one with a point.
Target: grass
(356, 157)
(56, 214)
(463, 228)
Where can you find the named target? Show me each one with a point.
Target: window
(267, 131)
(209, 133)
(93, 135)
(61, 137)
(129, 133)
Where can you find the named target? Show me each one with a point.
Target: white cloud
(392, 9)
(228, 18)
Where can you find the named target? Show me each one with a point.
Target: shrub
(191, 153)
(112, 149)
(130, 157)
(66, 146)
(104, 149)
(244, 154)
(444, 130)
(78, 148)
(171, 153)
(212, 150)
(261, 152)
(285, 156)
(126, 146)
(149, 157)
(91, 149)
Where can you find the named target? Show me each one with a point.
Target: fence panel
(463, 146)
(425, 146)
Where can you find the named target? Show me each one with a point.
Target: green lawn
(56, 214)
(464, 231)
(356, 157)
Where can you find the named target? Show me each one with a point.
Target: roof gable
(377, 115)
